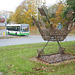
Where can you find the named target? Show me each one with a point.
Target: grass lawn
(15, 60)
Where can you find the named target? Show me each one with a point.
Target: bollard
(3, 33)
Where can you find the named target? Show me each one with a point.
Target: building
(7, 13)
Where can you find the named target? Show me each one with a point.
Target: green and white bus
(18, 29)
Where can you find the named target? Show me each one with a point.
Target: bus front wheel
(15, 33)
(8, 33)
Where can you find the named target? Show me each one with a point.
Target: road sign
(3, 20)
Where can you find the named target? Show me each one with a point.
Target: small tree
(72, 4)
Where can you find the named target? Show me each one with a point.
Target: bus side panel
(26, 33)
(13, 32)
(18, 33)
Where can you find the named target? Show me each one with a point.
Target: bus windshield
(24, 29)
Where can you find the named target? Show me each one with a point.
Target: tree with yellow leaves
(58, 18)
(24, 12)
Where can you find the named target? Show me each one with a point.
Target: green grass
(15, 60)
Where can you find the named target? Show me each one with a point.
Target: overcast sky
(11, 5)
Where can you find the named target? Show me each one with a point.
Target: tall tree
(18, 16)
(24, 12)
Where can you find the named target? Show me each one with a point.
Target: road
(28, 40)
(21, 40)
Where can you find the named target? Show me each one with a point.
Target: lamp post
(37, 9)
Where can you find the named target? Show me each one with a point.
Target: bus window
(13, 28)
(8, 28)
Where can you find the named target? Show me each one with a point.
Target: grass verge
(15, 60)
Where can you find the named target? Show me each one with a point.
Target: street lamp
(37, 9)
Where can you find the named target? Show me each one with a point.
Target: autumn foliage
(24, 12)
(57, 19)
(28, 8)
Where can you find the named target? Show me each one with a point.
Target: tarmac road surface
(27, 40)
